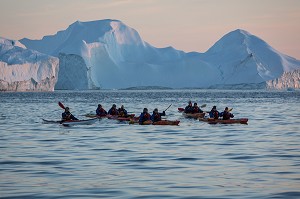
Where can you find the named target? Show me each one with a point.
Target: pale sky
(188, 25)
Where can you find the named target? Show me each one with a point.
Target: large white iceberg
(110, 54)
(22, 69)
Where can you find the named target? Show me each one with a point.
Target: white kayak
(72, 122)
(79, 122)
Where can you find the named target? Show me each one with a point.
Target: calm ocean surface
(116, 160)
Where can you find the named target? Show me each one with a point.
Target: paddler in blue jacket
(214, 113)
(100, 111)
(67, 115)
(156, 116)
(226, 115)
(113, 110)
(189, 108)
(145, 116)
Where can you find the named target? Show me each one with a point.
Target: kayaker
(100, 111)
(214, 113)
(189, 108)
(226, 115)
(156, 116)
(196, 108)
(122, 112)
(67, 115)
(145, 116)
(113, 110)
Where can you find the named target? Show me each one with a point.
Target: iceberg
(23, 69)
(108, 54)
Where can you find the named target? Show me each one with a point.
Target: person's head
(214, 107)
(122, 107)
(67, 109)
(190, 103)
(145, 110)
(226, 108)
(99, 106)
(114, 106)
(195, 104)
(155, 110)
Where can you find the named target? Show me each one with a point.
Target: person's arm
(163, 113)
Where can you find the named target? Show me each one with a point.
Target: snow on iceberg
(22, 69)
(113, 55)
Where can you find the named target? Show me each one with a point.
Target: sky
(188, 25)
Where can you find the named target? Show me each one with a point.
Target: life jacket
(226, 115)
(196, 109)
(156, 117)
(122, 112)
(146, 116)
(101, 112)
(66, 116)
(113, 111)
(216, 114)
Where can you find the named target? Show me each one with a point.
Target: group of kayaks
(201, 117)
(132, 119)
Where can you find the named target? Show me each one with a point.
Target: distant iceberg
(22, 69)
(108, 54)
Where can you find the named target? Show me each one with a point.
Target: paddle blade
(61, 105)
(230, 109)
(202, 106)
(180, 109)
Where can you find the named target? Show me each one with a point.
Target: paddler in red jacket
(196, 108)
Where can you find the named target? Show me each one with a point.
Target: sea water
(110, 159)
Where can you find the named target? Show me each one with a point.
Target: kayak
(71, 122)
(193, 115)
(51, 121)
(166, 122)
(180, 110)
(79, 122)
(220, 121)
(121, 119)
(91, 115)
(162, 122)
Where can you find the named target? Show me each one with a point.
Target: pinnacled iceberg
(22, 69)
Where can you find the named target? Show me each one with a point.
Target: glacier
(23, 69)
(109, 54)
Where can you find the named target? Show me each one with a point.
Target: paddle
(168, 107)
(61, 105)
(202, 106)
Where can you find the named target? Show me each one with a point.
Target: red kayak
(180, 110)
(220, 121)
(91, 115)
(119, 118)
(167, 122)
(193, 115)
(162, 122)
